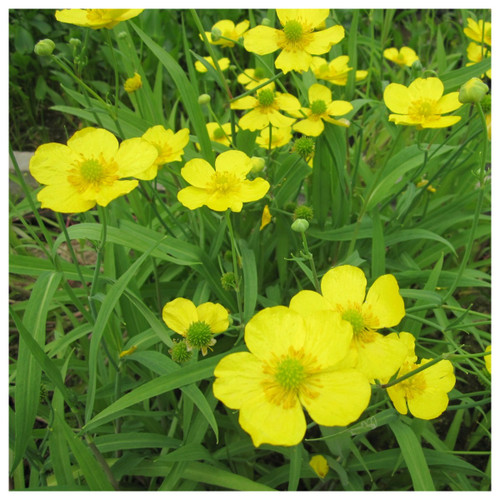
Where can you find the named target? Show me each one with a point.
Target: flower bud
(122, 35)
(300, 225)
(265, 22)
(228, 281)
(204, 99)
(44, 47)
(133, 84)
(216, 34)
(319, 464)
(473, 91)
(75, 42)
(257, 164)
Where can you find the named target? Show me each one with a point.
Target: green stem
(235, 254)
(100, 252)
(258, 87)
(311, 262)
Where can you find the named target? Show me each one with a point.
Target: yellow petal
(339, 108)
(272, 424)
(439, 377)
(193, 197)
(397, 395)
(342, 398)
(443, 122)
(253, 190)
(344, 286)
(261, 40)
(220, 201)
(254, 120)
(392, 54)
(319, 464)
(198, 172)
(247, 102)
(318, 92)
(397, 98)
(384, 302)
(288, 60)
(279, 120)
(178, 314)
(235, 162)
(273, 330)
(214, 315)
(63, 198)
(287, 102)
(307, 302)
(266, 218)
(487, 359)
(448, 103)
(426, 88)
(310, 126)
(95, 140)
(309, 18)
(118, 188)
(429, 405)
(51, 163)
(238, 379)
(135, 159)
(322, 41)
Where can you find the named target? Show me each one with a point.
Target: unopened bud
(265, 22)
(257, 164)
(473, 91)
(204, 99)
(300, 226)
(75, 42)
(44, 47)
(216, 34)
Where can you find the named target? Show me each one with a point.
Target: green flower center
(91, 171)
(293, 31)
(356, 319)
(219, 133)
(290, 373)
(318, 107)
(304, 147)
(266, 97)
(259, 73)
(199, 335)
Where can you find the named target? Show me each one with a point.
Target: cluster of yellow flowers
(322, 353)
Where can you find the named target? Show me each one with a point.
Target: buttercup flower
(221, 188)
(228, 30)
(220, 133)
(265, 109)
(476, 53)
(170, 146)
(266, 218)
(335, 71)
(478, 31)
(251, 78)
(133, 84)
(292, 363)
(321, 107)
(96, 18)
(422, 104)
(405, 56)
(223, 64)
(319, 464)
(197, 324)
(343, 290)
(89, 169)
(297, 40)
(279, 137)
(425, 394)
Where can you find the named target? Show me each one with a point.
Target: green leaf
(413, 455)
(250, 282)
(28, 370)
(453, 80)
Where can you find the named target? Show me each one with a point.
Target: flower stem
(100, 252)
(235, 254)
(309, 255)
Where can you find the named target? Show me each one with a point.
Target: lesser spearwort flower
(223, 64)
(251, 78)
(425, 394)
(321, 108)
(319, 464)
(479, 31)
(279, 137)
(405, 56)
(229, 32)
(90, 169)
(421, 104)
(132, 84)
(197, 324)
(170, 145)
(222, 188)
(336, 71)
(298, 40)
(343, 289)
(96, 18)
(293, 362)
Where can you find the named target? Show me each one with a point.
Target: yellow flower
(405, 56)
(223, 64)
(170, 146)
(228, 30)
(425, 182)
(319, 464)
(266, 218)
(343, 290)
(133, 84)
(297, 40)
(487, 359)
(421, 104)
(265, 109)
(88, 169)
(251, 78)
(335, 71)
(321, 107)
(96, 18)
(221, 188)
(425, 394)
(478, 31)
(220, 133)
(476, 53)
(128, 352)
(292, 363)
(197, 324)
(279, 137)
